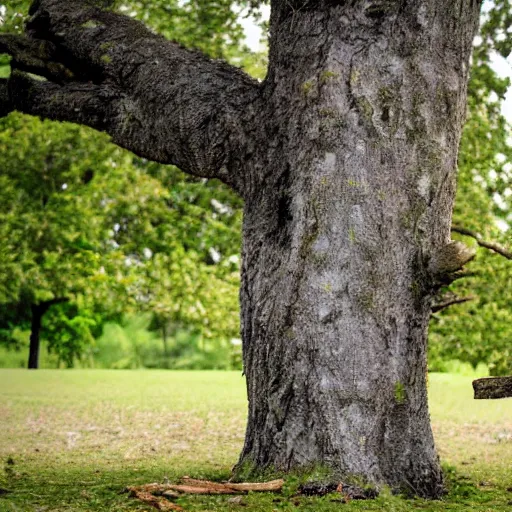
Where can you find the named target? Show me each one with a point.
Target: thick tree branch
(154, 97)
(46, 305)
(34, 56)
(77, 102)
(482, 243)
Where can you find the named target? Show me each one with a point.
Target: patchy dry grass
(72, 440)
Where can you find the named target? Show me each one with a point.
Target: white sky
(504, 68)
(252, 31)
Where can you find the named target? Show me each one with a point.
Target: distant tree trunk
(35, 330)
(164, 338)
(346, 158)
(38, 311)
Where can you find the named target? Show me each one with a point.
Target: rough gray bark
(492, 388)
(346, 158)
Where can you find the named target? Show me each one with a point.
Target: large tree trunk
(355, 197)
(346, 159)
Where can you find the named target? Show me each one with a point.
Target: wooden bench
(493, 387)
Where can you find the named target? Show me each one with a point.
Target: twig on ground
(273, 485)
(156, 494)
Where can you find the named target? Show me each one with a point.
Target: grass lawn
(72, 440)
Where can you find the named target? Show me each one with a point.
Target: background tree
(51, 223)
(118, 204)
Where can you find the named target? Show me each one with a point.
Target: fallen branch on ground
(155, 501)
(242, 487)
(156, 489)
(156, 494)
(492, 388)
